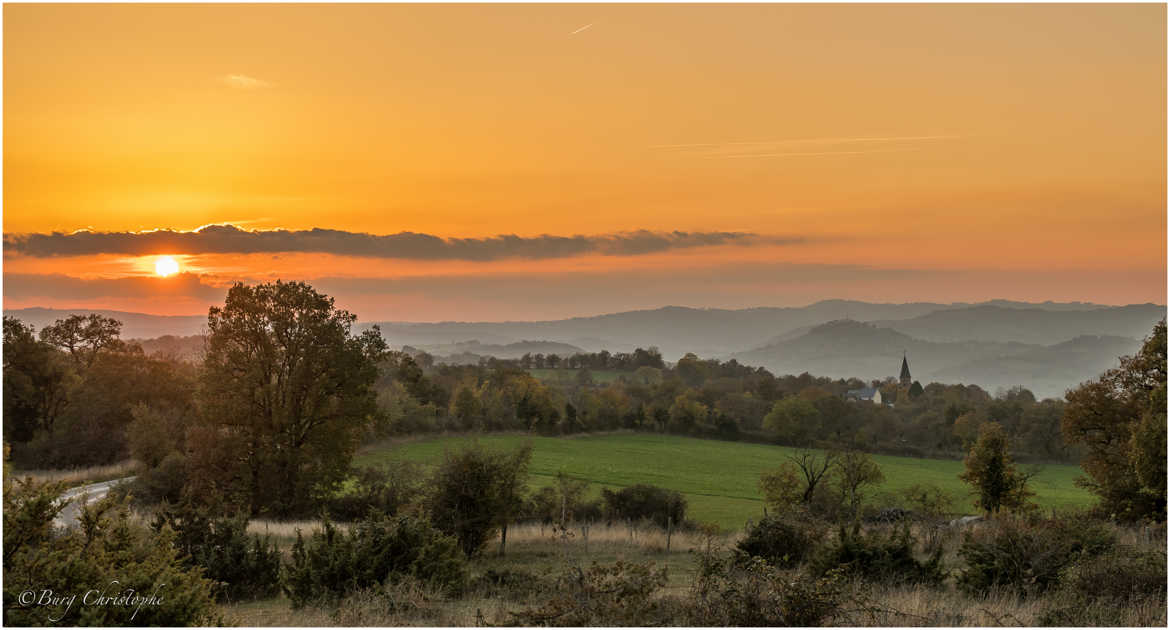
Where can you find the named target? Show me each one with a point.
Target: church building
(874, 395)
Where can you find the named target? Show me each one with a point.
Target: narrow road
(80, 496)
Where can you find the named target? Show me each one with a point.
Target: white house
(871, 394)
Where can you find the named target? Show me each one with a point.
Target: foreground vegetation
(524, 585)
(719, 479)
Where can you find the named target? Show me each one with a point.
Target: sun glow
(166, 266)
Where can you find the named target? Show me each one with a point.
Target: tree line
(287, 390)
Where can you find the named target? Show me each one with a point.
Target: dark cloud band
(229, 239)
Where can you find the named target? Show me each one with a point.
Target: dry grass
(287, 530)
(644, 537)
(541, 551)
(925, 606)
(81, 476)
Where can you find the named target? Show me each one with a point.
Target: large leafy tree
(36, 380)
(1120, 421)
(286, 391)
(83, 336)
(794, 420)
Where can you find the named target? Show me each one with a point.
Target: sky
(525, 162)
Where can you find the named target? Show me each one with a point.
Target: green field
(718, 478)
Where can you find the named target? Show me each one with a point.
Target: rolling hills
(848, 348)
(1045, 346)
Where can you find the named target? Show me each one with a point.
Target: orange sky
(889, 153)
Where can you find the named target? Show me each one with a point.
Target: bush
(620, 594)
(163, 483)
(403, 603)
(756, 594)
(108, 552)
(779, 542)
(243, 566)
(1122, 575)
(507, 584)
(386, 490)
(643, 501)
(378, 549)
(476, 492)
(886, 558)
(1028, 556)
(928, 500)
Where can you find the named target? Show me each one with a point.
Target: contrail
(808, 153)
(846, 140)
(582, 28)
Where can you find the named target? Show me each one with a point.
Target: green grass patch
(718, 478)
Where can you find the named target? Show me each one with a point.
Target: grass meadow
(718, 478)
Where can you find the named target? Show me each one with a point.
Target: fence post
(669, 530)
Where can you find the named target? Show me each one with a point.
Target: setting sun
(166, 266)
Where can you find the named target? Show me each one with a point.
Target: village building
(874, 395)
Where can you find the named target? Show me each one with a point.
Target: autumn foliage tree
(285, 393)
(1120, 421)
(993, 475)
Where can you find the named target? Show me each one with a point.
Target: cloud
(57, 286)
(244, 82)
(229, 239)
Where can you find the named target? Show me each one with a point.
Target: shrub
(386, 490)
(476, 492)
(756, 594)
(878, 557)
(507, 584)
(108, 552)
(928, 500)
(640, 501)
(402, 603)
(163, 483)
(243, 566)
(1028, 556)
(620, 594)
(1122, 575)
(563, 501)
(376, 550)
(779, 542)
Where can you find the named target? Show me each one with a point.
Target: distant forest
(77, 395)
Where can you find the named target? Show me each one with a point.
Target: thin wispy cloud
(244, 82)
(785, 147)
(582, 28)
(231, 239)
(805, 154)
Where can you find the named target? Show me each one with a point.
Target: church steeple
(905, 376)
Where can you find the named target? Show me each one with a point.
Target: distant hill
(1047, 371)
(825, 338)
(169, 346)
(470, 351)
(844, 349)
(134, 325)
(675, 330)
(1030, 325)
